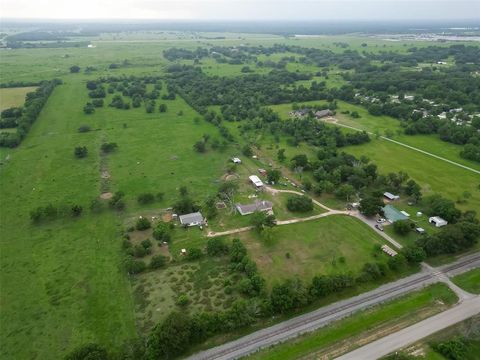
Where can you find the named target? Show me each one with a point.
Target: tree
(158, 261)
(226, 192)
(80, 152)
(74, 69)
(402, 227)
(76, 210)
(371, 205)
(88, 352)
(162, 108)
(281, 155)
(171, 337)
(108, 147)
(413, 190)
(200, 146)
(89, 108)
(299, 203)
(345, 192)
(300, 160)
(273, 176)
(194, 253)
(237, 251)
(142, 224)
(247, 151)
(84, 128)
(436, 205)
(260, 220)
(414, 254)
(162, 232)
(288, 295)
(216, 247)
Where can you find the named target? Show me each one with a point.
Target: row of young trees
(23, 118)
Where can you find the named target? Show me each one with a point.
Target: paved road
(335, 121)
(325, 315)
(420, 330)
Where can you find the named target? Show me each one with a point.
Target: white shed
(256, 181)
(437, 221)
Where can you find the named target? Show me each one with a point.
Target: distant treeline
(45, 35)
(24, 117)
(46, 45)
(15, 84)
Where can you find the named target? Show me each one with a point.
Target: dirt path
(335, 122)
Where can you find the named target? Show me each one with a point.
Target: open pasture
(330, 245)
(12, 97)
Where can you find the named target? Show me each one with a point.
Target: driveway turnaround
(316, 319)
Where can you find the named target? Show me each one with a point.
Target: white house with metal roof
(193, 219)
(256, 181)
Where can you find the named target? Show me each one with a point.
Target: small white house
(437, 221)
(391, 196)
(236, 160)
(193, 219)
(256, 181)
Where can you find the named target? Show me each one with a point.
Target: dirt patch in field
(230, 177)
(167, 217)
(106, 196)
(105, 174)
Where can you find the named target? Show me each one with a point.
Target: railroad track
(300, 323)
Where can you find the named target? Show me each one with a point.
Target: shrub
(89, 108)
(74, 69)
(402, 227)
(182, 300)
(158, 261)
(142, 224)
(88, 351)
(194, 253)
(135, 266)
(146, 243)
(455, 349)
(80, 152)
(108, 147)
(162, 232)
(76, 210)
(145, 198)
(84, 128)
(216, 247)
(299, 203)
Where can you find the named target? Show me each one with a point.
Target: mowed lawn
(469, 281)
(10, 97)
(314, 248)
(435, 176)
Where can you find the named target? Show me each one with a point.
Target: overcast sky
(242, 9)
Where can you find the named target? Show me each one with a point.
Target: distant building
(420, 230)
(193, 219)
(259, 205)
(437, 221)
(392, 214)
(256, 181)
(391, 196)
(322, 113)
(236, 160)
(298, 113)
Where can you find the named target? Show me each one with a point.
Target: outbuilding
(437, 221)
(390, 196)
(323, 113)
(193, 219)
(256, 181)
(236, 160)
(392, 214)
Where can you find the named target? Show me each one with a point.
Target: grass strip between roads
(365, 326)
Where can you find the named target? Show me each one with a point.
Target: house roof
(323, 113)
(256, 180)
(392, 214)
(259, 205)
(191, 218)
(390, 196)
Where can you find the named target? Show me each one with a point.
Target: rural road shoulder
(420, 330)
(325, 315)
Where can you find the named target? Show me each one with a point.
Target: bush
(84, 128)
(116, 202)
(455, 349)
(108, 147)
(80, 152)
(76, 210)
(299, 203)
(74, 69)
(147, 244)
(194, 253)
(162, 232)
(135, 266)
(145, 198)
(139, 251)
(182, 300)
(216, 247)
(158, 261)
(402, 227)
(89, 108)
(142, 224)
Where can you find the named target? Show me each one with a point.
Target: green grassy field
(10, 97)
(314, 248)
(341, 336)
(469, 281)
(435, 176)
(63, 282)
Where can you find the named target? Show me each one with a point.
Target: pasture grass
(313, 248)
(12, 97)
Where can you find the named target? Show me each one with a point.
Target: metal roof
(193, 218)
(392, 214)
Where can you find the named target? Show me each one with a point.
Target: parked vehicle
(379, 227)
